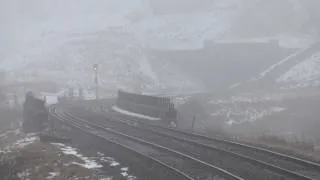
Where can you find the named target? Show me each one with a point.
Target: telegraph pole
(95, 69)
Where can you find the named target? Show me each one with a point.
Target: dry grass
(38, 160)
(9, 118)
(293, 142)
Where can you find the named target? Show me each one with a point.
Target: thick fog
(163, 45)
(246, 70)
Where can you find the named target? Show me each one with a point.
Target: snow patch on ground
(24, 174)
(250, 98)
(124, 169)
(6, 133)
(92, 162)
(112, 163)
(88, 163)
(124, 174)
(243, 108)
(21, 143)
(122, 111)
(249, 114)
(52, 175)
(26, 141)
(180, 100)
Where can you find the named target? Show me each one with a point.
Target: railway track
(181, 165)
(288, 166)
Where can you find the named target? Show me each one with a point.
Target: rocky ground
(24, 156)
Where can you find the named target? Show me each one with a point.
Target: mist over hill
(59, 41)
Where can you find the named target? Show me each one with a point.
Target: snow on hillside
(281, 71)
(305, 73)
(182, 31)
(271, 68)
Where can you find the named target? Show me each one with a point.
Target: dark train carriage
(157, 107)
(138, 98)
(35, 114)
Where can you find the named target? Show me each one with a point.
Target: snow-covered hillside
(304, 74)
(301, 69)
(307, 70)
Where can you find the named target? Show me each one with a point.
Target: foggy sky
(24, 21)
